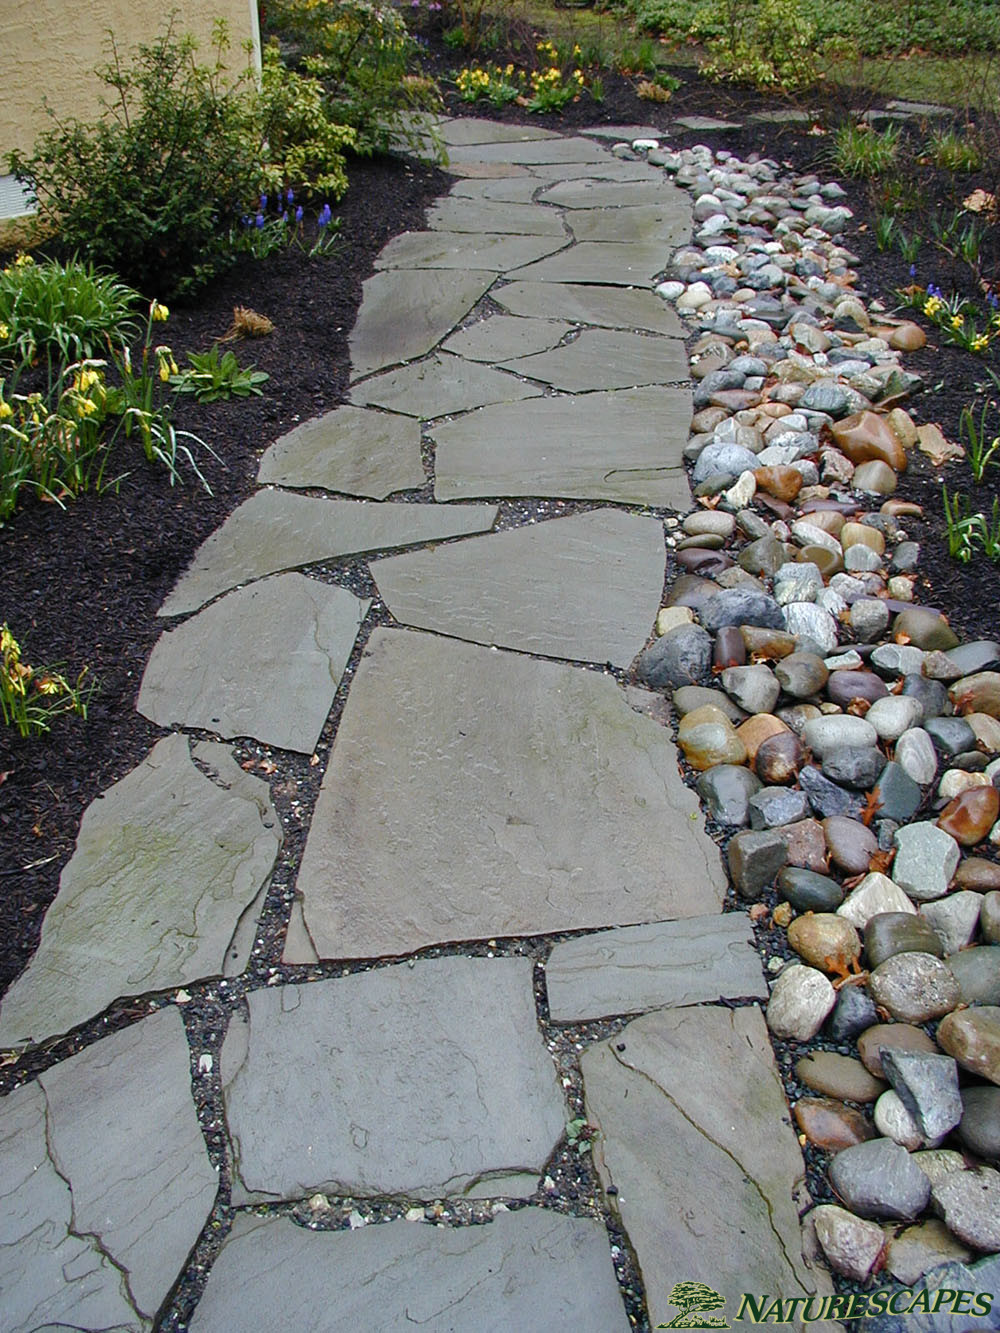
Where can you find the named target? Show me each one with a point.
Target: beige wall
(50, 48)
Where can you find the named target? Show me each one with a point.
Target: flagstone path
(502, 851)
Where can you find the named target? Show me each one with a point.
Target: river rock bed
(845, 744)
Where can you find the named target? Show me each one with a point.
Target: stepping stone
(781, 117)
(490, 170)
(694, 1134)
(439, 386)
(645, 223)
(275, 531)
(617, 264)
(556, 151)
(167, 864)
(462, 130)
(348, 450)
(606, 359)
(458, 214)
(625, 446)
(595, 193)
(919, 108)
(529, 1269)
(609, 169)
(219, 672)
(504, 336)
(623, 133)
(404, 313)
(505, 796)
(107, 1183)
(586, 588)
(705, 123)
(403, 1080)
(665, 965)
(516, 190)
(607, 307)
(460, 250)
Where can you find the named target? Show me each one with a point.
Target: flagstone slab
(531, 1269)
(404, 313)
(608, 169)
(460, 250)
(556, 151)
(107, 1183)
(413, 1080)
(585, 588)
(706, 123)
(350, 450)
(625, 445)
(461, 130)
(695, 1136)
(520, 189)
(504, 796)
(220, 672)
(606, 359)
(656, 192)
(644, 222)
(167, 863)
(503, 336)
(440, 385)
(275, 530)
(489, 170)
(619, 263)
(623, 133)
(665, 965)
(463, 214)
(608, 307)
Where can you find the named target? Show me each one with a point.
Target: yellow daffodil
(4, 332)
(957, 321)
(158, 312)
(6, 411)
(23, 260)
(980, 343)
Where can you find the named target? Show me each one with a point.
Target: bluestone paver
(459, 130)
(504, 796)
(585, 588)
(456, 213)
(352, 450)
(557, 152)
(606, 359)
(643, 223)
(166, 862)
(440, 385)
(599, 193)
(607, 307)
(504, 336)
(403, 1080)
(457, 250)
(218, 670)
(617, 263)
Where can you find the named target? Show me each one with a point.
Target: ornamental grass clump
(70, 310)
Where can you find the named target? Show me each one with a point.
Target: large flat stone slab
(504, 336)
(461, 130)
(585, 588)
(403, 1080)
(617, 263)
(695, 1135)
(505, 796)
(665, 965)
(626, 446)
(166, 864)
(460, 250)
(532, 1269)
(606, 359)
(596, 193)
(220, 672)
(107, 1184)
(650, 222)
(440, 385)
(275, 531)
(404, 313)
(462, 214)
(608, 169)
(608, 307)
(557, 151)
(350, 450)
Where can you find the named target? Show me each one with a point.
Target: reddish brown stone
(831, 1124)
(784, 483)
(807, 846)
(895, 1036)
(978, 874)
(867, 438)
(971, 815)
(779, 758)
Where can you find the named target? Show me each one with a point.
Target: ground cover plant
(82, 585)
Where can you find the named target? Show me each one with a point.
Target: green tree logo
(693, 1298)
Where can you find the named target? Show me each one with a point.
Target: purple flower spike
(290, 195)
(298, 213)
(263, 202)
(324, 216)
(913, 270)
(259, 221)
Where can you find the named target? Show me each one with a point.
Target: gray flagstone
(503, 336)
(458, 250)
(619, 263)
(440, 385)
(350, 450)
(606, 359)
(596, 193)
(458, 213)
(461, 130)
(557, 152)
(404, 313)
(608, 307)
(645, 223)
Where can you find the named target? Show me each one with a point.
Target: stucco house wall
(51, 47)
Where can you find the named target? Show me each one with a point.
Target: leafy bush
(213, 378)
(361, 53)
(304, 145)
(148, 189)
(770, 45)
(70, 309)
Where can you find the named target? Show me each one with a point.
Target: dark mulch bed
(82, 586)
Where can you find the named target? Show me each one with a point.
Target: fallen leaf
(931, 441)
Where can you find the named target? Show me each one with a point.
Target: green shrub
(858, 150)
(68, 309)
(304, 145)
(769, 45)
(149, 188)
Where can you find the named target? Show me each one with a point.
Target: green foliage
(979, 448)
(361, 53)
(968, 530)
(30, 697)
(70, 309)
(952, 151)
(304, 144)
(213, 378)
(490, 83)
(149, 188)
(770, 44)
(557, 81)
(961, 322)
(859, 150)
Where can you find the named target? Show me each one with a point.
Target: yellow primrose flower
(158, 312)
(48, 685)
(86, 407)
(957, 321)
(23, 260)
(980, 343)
(6, 411)
(4, 332)
(932, 306)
